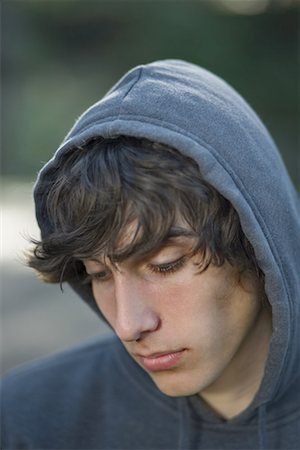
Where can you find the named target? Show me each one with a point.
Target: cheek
(227, 321)
(186, 307)
(208, 309)
(171, 300)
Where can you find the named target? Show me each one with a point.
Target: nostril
(134, 327)
(127, 335)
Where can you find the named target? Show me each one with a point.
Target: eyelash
(162, 269)
(167, 268)
(100, 276)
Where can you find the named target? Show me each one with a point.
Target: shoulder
(73, 355)
(99, 373)
(44, 401)
(80, 399)
(61, 371)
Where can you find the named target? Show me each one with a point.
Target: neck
(235, 389)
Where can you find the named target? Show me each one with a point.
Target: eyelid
(102, 275)
(168, 267)
(173, 261)
(167, 262)
(94, 265)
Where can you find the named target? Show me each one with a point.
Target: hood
(184, 106)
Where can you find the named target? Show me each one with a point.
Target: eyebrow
(175, 233)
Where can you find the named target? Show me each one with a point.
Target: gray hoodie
(95, 396)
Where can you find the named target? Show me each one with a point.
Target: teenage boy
(169, 210)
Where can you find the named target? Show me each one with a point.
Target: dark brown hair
(102, 187)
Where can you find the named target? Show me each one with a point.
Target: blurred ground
(36, 319)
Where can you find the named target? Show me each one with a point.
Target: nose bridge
(134, 314)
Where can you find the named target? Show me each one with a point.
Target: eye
(99, 277)
(168, 267)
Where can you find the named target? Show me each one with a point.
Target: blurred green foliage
(59, 57)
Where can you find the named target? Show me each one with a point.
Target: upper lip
(157, 354)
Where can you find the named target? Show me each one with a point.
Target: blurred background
(59, 57)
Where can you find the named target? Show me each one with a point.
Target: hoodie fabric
(96, 396)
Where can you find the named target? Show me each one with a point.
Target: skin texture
(164, 304)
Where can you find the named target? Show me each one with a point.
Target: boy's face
(190, 331)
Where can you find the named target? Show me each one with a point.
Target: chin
(177, 391)
(175, 388)
(183, 384)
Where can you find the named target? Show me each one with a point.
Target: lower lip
(162, 362)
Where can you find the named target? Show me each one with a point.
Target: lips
(161, 361)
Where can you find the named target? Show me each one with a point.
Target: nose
(134, 315)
